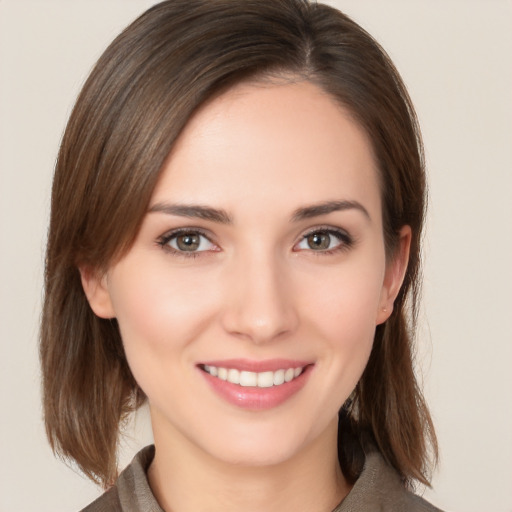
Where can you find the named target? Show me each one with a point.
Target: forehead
(284, 143)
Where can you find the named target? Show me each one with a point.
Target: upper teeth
(255, 379)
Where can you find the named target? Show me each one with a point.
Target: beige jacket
(378, 489)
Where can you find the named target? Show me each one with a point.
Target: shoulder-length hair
(131, 110)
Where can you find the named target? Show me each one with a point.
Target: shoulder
(131, 492)
(107, 502)
(379, 488)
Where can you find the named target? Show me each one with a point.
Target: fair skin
(259, 279)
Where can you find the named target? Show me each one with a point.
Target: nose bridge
(260, 305)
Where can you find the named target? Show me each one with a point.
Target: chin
(265, 445)
(257, 455)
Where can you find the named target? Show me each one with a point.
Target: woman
(235, 233)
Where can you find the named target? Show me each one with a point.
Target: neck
(184, 478)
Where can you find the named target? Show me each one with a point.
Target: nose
(260, 304)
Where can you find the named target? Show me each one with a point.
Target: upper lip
(269, 365)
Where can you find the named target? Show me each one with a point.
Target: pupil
(319, 241)
(188, 242)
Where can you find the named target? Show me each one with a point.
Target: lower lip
(254, 398)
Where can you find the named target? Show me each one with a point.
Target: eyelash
(346, 241)
(164, 240)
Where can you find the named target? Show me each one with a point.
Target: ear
(96, 291)
(394, 276)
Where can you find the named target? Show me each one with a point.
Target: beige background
(455, 56)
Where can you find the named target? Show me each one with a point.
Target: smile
(244, 378)
(256, 385)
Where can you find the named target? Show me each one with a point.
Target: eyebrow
(315, 210)
(193, 211)
(222, 217)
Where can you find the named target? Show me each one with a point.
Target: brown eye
(325, 241)
(188, 242)
(319, 241)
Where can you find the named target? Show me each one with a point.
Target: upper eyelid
(177, 231)
(326, 228)
(206, 232)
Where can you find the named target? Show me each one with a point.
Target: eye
(187, 241)
(325, 240)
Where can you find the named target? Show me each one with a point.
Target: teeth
(233, 376)
(278, 377)
(254, 379)
(265, 379)
(248, 379)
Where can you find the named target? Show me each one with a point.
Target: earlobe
(96, 291)
(394, 276)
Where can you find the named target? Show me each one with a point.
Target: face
(248, 303)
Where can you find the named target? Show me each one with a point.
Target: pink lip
(254, 398)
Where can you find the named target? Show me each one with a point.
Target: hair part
(139, 96)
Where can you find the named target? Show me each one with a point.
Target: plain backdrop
(455, 56)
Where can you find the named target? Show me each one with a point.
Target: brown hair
(136, 101)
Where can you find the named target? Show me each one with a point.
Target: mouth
(245, 378)
(256, 385)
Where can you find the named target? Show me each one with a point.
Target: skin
(255, 290)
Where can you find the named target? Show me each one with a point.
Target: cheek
(159, 316)
(349, 328)
(342, 313)
(347, 301)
